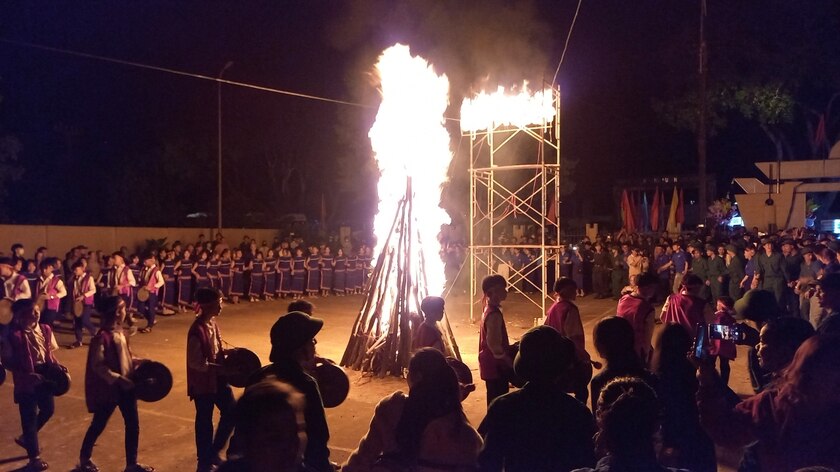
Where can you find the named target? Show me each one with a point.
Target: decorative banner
(654, 211)
(672, 213)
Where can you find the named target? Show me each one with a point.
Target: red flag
(552, 210)
(654, 211)
(626, 212)
(681, 209)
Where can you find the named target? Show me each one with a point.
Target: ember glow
(518, 107)
(409, 139)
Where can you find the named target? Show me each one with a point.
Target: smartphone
(574, 248)
(727, 332)
(700, 341)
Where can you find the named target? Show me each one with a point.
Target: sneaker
(36, 465)
(139, 468)
(75, 345)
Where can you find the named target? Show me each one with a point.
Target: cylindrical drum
(238, 365)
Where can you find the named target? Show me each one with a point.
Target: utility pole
(219, 160)
(702, 200)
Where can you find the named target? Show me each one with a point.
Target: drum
(465, 378)
(78, 308)
(56, 378)
(238, 365)
(5, 311)
(142, 294)
(152, 381)
(332, 382)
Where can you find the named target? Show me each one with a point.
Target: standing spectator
(734, 272)
(749, 282)
(715, 271)
(679, 264)
(600, 271)
(770, 270)
(662, 268)
(829, 299)
(700, 268)
(427, 333)
(791, 267)
(293, 346)
(538, 427)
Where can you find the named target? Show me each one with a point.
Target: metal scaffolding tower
(514, 185)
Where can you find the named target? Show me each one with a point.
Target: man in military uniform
(769, 266)
(715, 271)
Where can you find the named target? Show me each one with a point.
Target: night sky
(110, 144)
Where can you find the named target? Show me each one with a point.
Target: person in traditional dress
(136, 267)
(257, 268)
(270, 275)
(152, 280)
(339, 272)
(52, 289)
(184, 269)
(15, 285)
(200, 270)
(206, 387)
(213, 270)
(298, 273)
(84, 290)
(284, 272)
(108, 386)
(170, 286)
(313, 272)
(327, 267)
(30, 346)
(352, 273)
(225, 272)
(237, 287)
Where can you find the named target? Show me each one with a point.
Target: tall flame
(507, 108)
(409, 139)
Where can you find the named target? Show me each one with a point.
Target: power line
(179, 72)
(566, 45)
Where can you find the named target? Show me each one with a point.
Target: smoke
(477, 44)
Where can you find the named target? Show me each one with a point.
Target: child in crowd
(724, 350)
(495, 364)
(564, 316)
(427, 333)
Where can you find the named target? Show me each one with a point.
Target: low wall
(59, 239)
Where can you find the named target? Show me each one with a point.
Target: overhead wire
(566, 45)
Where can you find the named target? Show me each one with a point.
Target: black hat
(788, 241)
(767, 240)
(830, 282)
(7, 261)
(806, 250)
(544, 354)
(206, 295)
(731, 248)
(757, 305)
(711, 247)
(291, 331)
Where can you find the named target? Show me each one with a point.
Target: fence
(60, 239)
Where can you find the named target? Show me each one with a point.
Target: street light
(219, 183)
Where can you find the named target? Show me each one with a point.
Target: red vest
(685, 310)
(636, 310)
(23, 361)
(203, 382)
(489, 367)
(98, 392)
(80, 290)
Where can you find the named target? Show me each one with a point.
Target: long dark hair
(436, 394)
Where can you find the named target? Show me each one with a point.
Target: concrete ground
(166, 427)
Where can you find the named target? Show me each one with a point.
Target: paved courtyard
(166, 427)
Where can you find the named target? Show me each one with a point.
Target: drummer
(83, 291)
(292, 347)
(152, 280)
(31, 345)
(205, 386)
(108, 385)
(15, 286)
